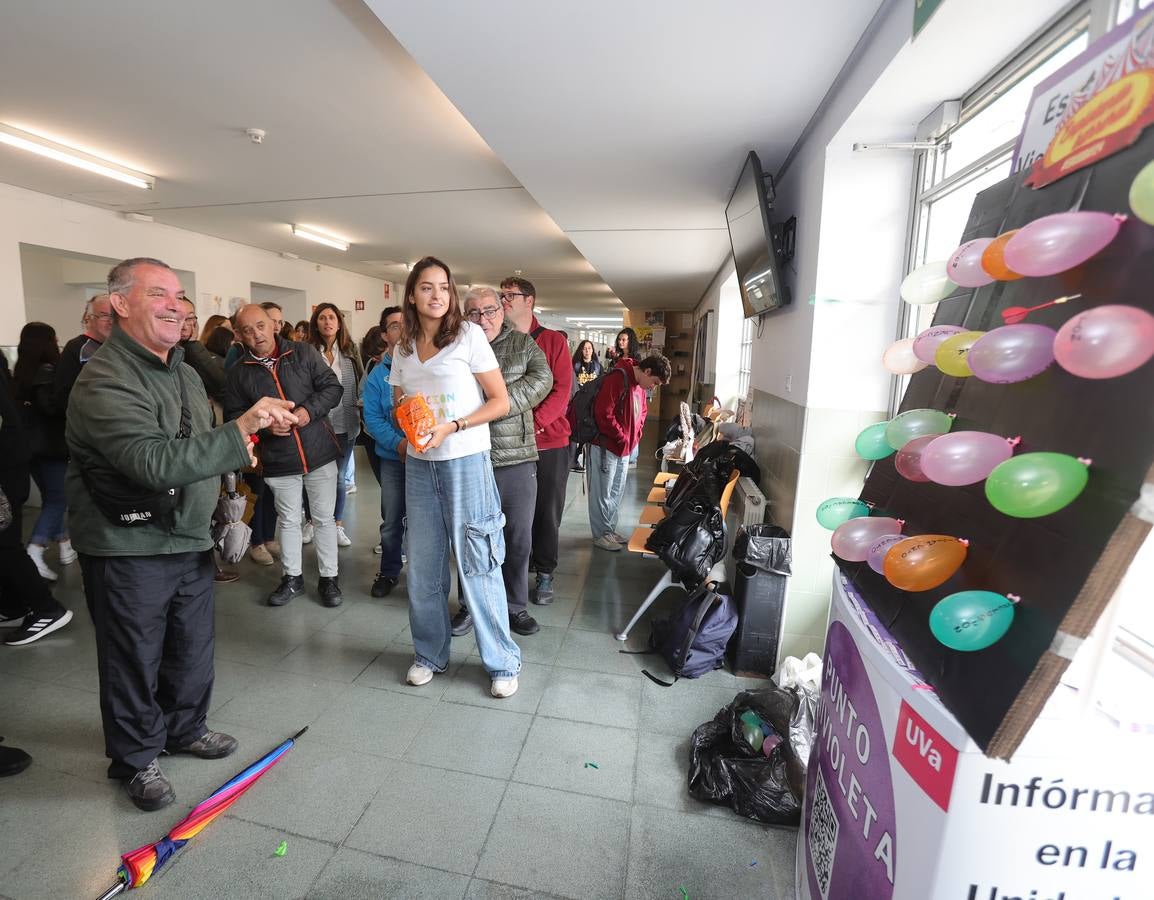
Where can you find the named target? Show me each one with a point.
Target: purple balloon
(851, 540)
(1053, 244)
(964, 457)
(908, 461)
(876, 555)
(926, 344)
(965, 264)
(1012, 353)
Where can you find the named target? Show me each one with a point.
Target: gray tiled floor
(437, 792)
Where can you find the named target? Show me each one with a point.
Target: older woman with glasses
(514, 453)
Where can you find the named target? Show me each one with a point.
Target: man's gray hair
(478, 291)
(121, 277)
(88, 306)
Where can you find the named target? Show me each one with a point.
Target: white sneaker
(503, 687)
(342, 537)
(259, 554)
(351, 488)
(419, 675)
(605, 542)
(377, 550)
(65, 554)
(37, 553)
(620, 538)
(307, 533)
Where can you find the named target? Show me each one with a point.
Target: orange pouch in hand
(416, 420)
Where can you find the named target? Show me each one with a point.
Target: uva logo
(928, 757)
(924, 744)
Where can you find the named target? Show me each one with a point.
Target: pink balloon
(899, 358)
(908, 461)
(851, 540)
(1053, 244)
(926, 344)
(966, 457)
(876, 555)
(965, 264)
(1105, 342)
(1012, 353)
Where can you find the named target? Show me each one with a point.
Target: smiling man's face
(152, 311)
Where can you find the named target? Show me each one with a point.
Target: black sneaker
(210, 745)
(543, 592)
(329, 590)
(149, 789)
(462, 622)
(290, 586)
(13, 761)
(35, 627)
(523, 623)
(383, 586)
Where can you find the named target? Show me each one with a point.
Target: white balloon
(927, 284)
(900, 359)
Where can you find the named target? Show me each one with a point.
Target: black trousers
(552, 480)
(154, 645)
(517, 485)
(22, 590)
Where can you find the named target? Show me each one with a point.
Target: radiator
(747, 506)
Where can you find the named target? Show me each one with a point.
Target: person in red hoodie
(518, 297)
(620, 409)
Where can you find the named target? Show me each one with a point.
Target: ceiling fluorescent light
(609, 320)
(310, 234)
(33, 143)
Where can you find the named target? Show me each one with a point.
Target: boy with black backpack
(618, 415)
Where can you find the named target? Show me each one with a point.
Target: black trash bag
(765, 547)
(726, 770)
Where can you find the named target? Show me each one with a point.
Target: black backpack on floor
(693, 640)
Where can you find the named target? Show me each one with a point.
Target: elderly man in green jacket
(143, 481)
(528, 378)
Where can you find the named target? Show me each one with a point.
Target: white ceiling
(592, 146)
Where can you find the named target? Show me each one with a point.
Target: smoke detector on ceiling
(256, 135)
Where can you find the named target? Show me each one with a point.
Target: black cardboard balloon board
(1064, 566)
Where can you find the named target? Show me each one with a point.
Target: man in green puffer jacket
(528, 377)
(142, 485)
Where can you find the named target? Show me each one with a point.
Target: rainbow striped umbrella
(139, 865)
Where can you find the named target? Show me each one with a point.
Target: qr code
(823, 829)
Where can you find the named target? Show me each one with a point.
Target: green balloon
(1035, 484)
(914, 423)
(1142, 194)
(971, 620)
(839, 510)
(871, 443)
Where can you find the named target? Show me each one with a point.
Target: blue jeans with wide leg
(453, 504)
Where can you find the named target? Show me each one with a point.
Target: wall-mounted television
(755, 254)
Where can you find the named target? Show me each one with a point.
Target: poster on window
(1092, 107)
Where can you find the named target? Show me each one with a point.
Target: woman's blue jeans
(453, 505)
(49, 477)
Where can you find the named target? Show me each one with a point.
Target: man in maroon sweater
(519, 296)
(620, 409)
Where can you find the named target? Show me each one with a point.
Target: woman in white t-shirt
(450, 492)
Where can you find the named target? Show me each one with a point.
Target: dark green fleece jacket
(123, 416)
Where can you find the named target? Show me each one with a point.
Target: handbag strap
(185, 430)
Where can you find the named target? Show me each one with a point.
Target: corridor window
(745, 367)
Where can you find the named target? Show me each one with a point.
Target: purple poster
(851, 831)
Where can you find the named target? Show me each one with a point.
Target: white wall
(222, 269)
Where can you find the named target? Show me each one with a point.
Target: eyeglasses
(101, 316)
(392, 325)
(508, 296)
(474, 315)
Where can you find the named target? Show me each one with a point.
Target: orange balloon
(923, 562)
(994, 258)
